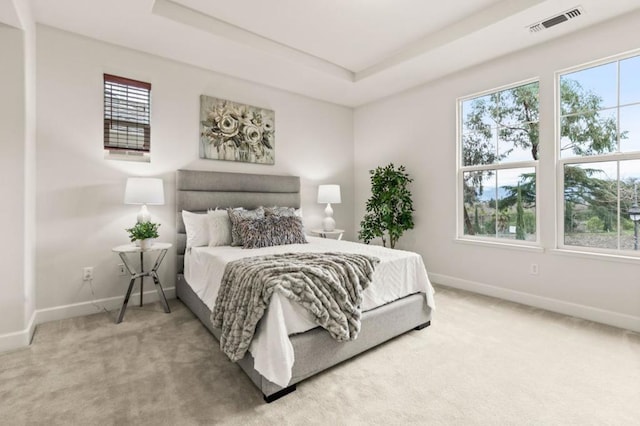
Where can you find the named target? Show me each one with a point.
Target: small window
(127, 113)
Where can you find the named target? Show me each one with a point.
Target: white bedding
(399, 274)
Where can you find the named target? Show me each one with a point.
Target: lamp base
(328, 223)
(144, 215)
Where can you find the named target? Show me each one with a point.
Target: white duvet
(399, 274)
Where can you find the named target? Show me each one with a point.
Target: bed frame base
(424, 325)
(286, 391)
(315, 350)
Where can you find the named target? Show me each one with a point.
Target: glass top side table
(122, 251)
(324, 234)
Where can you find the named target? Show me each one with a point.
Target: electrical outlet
(533, 269)
(87, 273)
(122, 270)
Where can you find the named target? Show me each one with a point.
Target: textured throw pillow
(279, 211)
(219, 228)
(282, 211)
(196, 226)
(271, 231)
(237, 216)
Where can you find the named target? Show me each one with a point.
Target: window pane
(519, 104)
(480, 203)
(630, 128)
(588, 134)
(516, 204)
(629, 182)
(477, 113)
(513, 113)
(516, 143)
(591, 205)
(589, 89)
(479, 148)
(630, 80)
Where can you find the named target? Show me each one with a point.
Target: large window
(498, 161)
(127, 111)
(599, 155)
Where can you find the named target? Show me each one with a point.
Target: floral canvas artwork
(236, 132)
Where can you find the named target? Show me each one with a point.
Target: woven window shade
(127, 113)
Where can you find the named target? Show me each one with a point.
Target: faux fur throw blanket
(328, 285)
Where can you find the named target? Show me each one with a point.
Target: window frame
(130, 152)
(610, 157)
(461, 169)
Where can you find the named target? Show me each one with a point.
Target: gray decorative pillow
(284, 211)
(279, 211)
(237, 216)
(272, 231)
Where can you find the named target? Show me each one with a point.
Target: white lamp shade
(329, 194)
(144, 191)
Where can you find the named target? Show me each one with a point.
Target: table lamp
(329, 194)
(144, 191)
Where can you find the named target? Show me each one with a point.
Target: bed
(307, 351)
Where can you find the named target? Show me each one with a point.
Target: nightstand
(322, 233)
(161, 250)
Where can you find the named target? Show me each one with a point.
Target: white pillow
(219, 228)
(197, 227)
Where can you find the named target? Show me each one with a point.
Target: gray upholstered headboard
(197, 191)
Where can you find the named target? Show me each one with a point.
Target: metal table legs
(135, 275)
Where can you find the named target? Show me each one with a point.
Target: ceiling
(349, 52)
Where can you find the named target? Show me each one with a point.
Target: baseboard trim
(18, 339)
(603, 316)
(94, 306)
(21, 339)
(15, 340)
(31, 328)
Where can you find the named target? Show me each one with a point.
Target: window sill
(608, 257)
(127, 156)
(500, 245)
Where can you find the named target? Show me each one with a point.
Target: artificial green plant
(390, 208)
(143, 231)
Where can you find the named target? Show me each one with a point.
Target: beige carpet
(482, 362)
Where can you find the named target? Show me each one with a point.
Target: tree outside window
(499, 152)
(599, 146)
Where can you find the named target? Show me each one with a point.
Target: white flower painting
(235, 132)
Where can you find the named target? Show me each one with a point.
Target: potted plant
(144, 232)
(390, 209)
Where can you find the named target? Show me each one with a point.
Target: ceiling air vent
(555, 20)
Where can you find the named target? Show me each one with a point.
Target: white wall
(80, 214)
(17, 173)
(418, 129)
(12, 157)
(29, 32)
